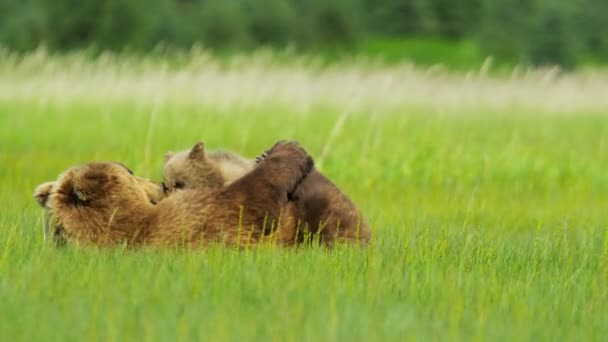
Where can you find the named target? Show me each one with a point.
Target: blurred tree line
(523, 31)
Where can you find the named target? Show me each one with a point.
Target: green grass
(457, 54)
(488, 224)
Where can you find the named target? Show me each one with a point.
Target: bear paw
(42, 193)
(291, 156)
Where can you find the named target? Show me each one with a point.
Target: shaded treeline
(522, 31)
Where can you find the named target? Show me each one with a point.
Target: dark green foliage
(552, 39)
(337, 21)
(455, 19)
(536, 32)
(22, 24)
(271, 24)
(545, 32)
(398, 17)
(218, 24)
(505, 26)
(590, 21)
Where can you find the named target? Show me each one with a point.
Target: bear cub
(200, 169)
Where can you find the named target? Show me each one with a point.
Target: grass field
(487, 198)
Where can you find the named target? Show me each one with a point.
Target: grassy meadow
(487, 195)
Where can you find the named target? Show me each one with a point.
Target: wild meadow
(487, 194)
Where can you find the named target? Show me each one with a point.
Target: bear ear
(79, 194)
(88, 184)
(169, 155)
(198, 151)
(76, 194)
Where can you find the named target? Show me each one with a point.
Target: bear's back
(231, 165)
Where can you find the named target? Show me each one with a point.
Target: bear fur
(103, 204)
(204, 169)
(154, 191)
(322, 210)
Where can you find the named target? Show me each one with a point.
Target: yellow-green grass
(489, 216)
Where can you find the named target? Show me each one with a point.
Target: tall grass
(486, 196)
(263, 79)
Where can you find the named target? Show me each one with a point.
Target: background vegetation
(533, 32)
(487, 197)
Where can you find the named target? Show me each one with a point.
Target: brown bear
(323, 211)
(205, 169)
(103, 204)
(154, 191)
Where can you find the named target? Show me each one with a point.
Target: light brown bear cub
(103, 204)
(322, 210)
(197, 168)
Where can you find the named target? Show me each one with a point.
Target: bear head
(191, 169)
(100, 203)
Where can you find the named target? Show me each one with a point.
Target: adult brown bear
(103, 204)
